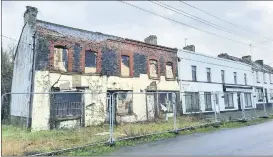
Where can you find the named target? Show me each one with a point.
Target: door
(239, 101)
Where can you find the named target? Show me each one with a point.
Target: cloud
(119, 19)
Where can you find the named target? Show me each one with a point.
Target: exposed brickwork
(109, 54)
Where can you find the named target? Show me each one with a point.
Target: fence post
(111, 114)
(174, 116)
(214, 104)
(243, 106)
(264, 105)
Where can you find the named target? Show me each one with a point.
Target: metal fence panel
(59, 120)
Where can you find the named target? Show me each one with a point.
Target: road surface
(251, 140)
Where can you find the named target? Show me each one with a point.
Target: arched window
(90, 62)
(153, 64)
(169, 70)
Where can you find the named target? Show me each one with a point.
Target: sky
(119, 19)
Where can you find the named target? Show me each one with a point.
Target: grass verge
(104, 150)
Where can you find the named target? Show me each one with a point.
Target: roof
(213, 57)
(65, 31)
(255, 66)
(61, 30)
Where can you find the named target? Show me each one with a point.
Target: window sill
(92, 74)
(170, 79)
(194, 110)
(126, 76)
(154, 78)
(229, 107)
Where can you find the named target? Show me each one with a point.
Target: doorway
(239, 101)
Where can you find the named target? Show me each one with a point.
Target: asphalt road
(252, 140)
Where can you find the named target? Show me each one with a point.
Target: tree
(6, 78)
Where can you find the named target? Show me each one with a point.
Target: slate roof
(61, 30)
(255, 66)
(65, 31)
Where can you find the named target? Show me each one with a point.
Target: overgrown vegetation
(105, 150)
(16, 141)
(6, 78)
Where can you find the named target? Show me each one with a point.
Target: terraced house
(262, 79)
(65, 60)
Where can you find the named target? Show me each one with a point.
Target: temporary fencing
(45, 122)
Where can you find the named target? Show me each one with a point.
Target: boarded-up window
(60, 58)
(125, 65)
(90, 62)
(124, 102)
(169, 70)
(153, 68)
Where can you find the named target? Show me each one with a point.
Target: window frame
(208, 74)
(191, 97)
(85, 60)
(130, 64)
(158, 69)
(229, 105)
(59, 46)
(208, 105)
(195, 72)
(245, 78)
(223, 76)
(235, 77)
(173, 78)
(247, 100)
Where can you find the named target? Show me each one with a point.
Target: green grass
(105, 150)
(17, 141)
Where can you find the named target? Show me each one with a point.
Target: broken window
(90, 62)
(125, 65)
(60, 58)
(166, 101)
(169, 70)
(124, 102)
(153, 68)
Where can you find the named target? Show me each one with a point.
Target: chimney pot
(247, 58)
(152, 39)
(189, 48)
(30, 15)
(261, 62)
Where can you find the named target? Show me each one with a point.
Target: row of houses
(90, 70)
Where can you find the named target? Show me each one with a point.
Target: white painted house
(219, 83)
(262, 79)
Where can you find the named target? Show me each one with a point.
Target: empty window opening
(153, 69)
(125, 65)
(90, 62)
(60, 58)
(169, 70)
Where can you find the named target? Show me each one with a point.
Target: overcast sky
(122, 20)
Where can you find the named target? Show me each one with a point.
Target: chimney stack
(261, 62)
(247, 58)
(189, 48)
(30, 15)
(152, 39)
